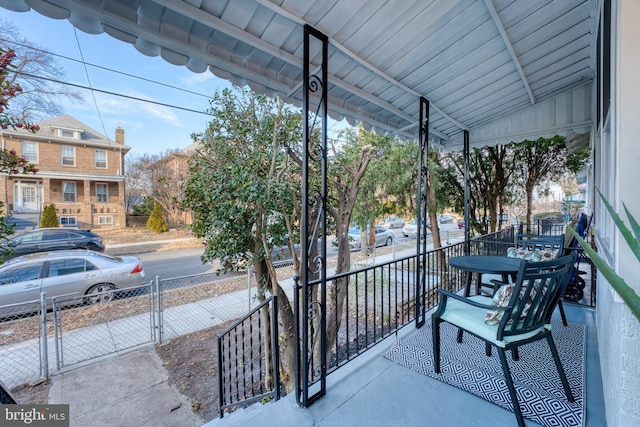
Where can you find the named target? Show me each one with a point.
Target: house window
(101, 158)
(69, 133)
(69, 192)
(102, 193)
(68, 221)
(30, 151)
(68, 155)
(105, 220)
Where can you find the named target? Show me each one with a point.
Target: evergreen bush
(156, 222)
(49, 217)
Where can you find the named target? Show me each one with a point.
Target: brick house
(169, 176)
(80, 171)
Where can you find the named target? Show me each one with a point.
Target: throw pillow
(522, 254)
(502, 298)
(546, 254)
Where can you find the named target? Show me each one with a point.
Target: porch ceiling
(502, 69)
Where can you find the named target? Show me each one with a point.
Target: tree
(156, 222)
(49, 217)
(244, 192)
(167, 176)
(138, 180)
(10, 162)
(38, 72)
(536, 161)
(161, 177)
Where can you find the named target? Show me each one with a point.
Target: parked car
(411, 229)
(53, 239)
(71, 273)
(445, 219)
(384, 237)
(461, 224)
(393, 222)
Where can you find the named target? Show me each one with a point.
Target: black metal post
(421, 235)
(467, 196)
(314, 220)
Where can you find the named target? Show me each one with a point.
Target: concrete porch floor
(373, 391)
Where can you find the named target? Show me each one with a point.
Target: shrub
(49, 217)
(156, 222)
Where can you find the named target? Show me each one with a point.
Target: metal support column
(311, 312)
(467, 196)
(422, 214)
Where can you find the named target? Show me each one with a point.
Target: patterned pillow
(522, 254)
(502, 298)
(546, 254)
(534, 255)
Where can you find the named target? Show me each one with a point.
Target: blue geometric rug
(538, 386)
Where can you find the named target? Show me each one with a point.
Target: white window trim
(37, 151)
(105, 219)
(95, 159)
(106, 194)
(75, 192)
(63, 156)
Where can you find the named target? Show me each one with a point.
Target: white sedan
(411, 229)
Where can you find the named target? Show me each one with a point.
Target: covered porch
(493, 71)
(372, 390)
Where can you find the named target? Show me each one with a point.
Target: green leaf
(626, 233)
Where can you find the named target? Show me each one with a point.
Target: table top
(486, 264)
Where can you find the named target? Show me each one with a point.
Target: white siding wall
(618, 329)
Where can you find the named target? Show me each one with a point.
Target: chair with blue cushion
(517, 314)
(531, 247)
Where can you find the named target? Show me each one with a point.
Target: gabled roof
(49, 127)
(502, 69)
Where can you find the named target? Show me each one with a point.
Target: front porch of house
(371, 390)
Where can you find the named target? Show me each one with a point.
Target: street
(186, 262)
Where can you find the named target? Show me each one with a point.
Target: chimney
(119, 135)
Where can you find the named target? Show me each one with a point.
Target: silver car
(66, 274)
(384, 236)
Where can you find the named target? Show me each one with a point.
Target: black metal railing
(378, 301)
(248, 359)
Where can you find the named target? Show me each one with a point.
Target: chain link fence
(22, 349)
(120, 320)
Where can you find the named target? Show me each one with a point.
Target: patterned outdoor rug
(539, 389)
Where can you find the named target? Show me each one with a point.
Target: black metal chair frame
(531, 242)
(549, 279)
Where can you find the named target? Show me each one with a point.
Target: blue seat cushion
(472, 319)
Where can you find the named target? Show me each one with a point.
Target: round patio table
(485, 264)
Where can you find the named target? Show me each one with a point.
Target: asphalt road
(185, 262)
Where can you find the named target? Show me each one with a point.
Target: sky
(149, 128)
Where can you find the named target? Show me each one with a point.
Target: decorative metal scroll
(311, 310)
(421, 238)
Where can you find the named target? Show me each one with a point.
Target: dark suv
(53, 239)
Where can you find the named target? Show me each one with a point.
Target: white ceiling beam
(198, 15)
(507, 43)
(285, 13)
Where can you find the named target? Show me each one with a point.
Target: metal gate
(83, 333)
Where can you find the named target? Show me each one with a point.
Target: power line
(108, 92)
(93, 94)
(106, 68)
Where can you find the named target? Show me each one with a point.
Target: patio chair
(532, 247)
(517, 314)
